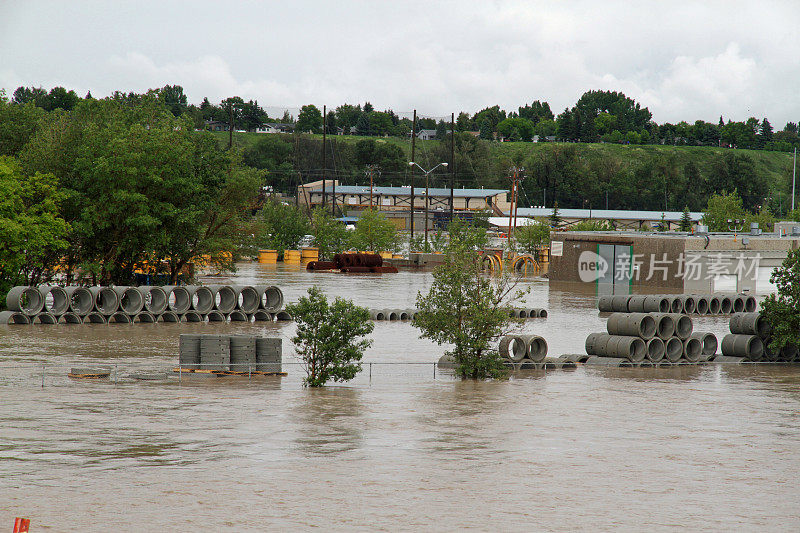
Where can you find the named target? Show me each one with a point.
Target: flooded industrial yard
(703, 448)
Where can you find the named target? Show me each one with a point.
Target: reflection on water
(700, 448)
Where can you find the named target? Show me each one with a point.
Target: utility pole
(324, 158)
(794, 173)
(230, 126)
(512, 214)
(413, 158)
(452, 160)
(370, 171)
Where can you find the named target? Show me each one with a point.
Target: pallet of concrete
(690, 304)
(243, 354)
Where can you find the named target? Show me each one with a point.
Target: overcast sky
(682, 60)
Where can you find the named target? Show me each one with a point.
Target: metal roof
(418, 191)
(608, 214)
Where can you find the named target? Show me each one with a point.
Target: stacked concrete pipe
(750, 337)
(689, 304)
(237, 353)
(523, 349)
(392, 314)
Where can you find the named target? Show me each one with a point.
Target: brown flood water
(702, 448)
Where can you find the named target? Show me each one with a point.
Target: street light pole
(427, 173)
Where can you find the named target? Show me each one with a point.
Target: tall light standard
(427, 173)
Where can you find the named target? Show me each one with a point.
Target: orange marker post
(21, 525)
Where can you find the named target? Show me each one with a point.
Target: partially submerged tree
(374, 232)
(466, 308)
(329, 338)
(782, 310)
(282, 226)
(330, 235)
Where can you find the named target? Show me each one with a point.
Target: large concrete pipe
(750, 324)
(673, 349)
(268, 354)
(201, 298)
(248, 299)
(394, 314)
(178, 300)
(631, 348)
(714, 305)
(635, 324)
(636, 304)
(701, 305)
(169, 316)
(216, 316)
(725, 303)
(619, 304)
(738, 304)
(537, 348)
(106, 300)
(25, 300)
(377, 314)
(95, 317)
(54, 299)
(283, 316)
(192, 316)
(119, 318)
(144, 317)
(604, 304)
(69, 318)
(596, 343)
(676, 304)
(708, 342)
(683, 325)
(692, 349)
(750, 304)
(155, 299)
(689, 304)
(215, 352)
(542, 313)
(237, 316)
(271, 298)
(262, 316)
(131, 300)
(81, 300)
(44, 318)
(224, 298)
(657, 304)
(243, 353)
(655, 349)
(738, 345)
(665, 325)
(405, 314)
(513, 347)
(788, 353)
(608, 361)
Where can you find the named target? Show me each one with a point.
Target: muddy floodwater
(710, 447)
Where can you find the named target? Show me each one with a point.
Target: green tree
(782, 310)
(465, 308)
(18, 123)
(173, 98)
(485, 132)
(329, 338)
(530, 238)
(374, 232)
(330, 235)
(555, 219)
(686, 220)
(516, 129)
(282, 226)
(309, 119)
(721, 208)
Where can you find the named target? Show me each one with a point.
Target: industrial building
(622, 219)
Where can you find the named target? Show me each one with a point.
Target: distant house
(426, 135)
(217, 125)
(275, 127)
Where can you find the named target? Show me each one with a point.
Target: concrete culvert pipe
(655, 349)
(81, 300)
(689, 304)
(248, 299)
(155, 299)
(131, 300)
(631, 348)
(635, 324)
(394, 314)
(537, 348)
(673, 349)
(119, 318)
(95, 318)
(788, 353)
(70, 318)
(169, 316)
(193, 316)
(701, 305)
(676, 304)
(513, 347)
(178, 300)
(542, 313)
(692, 349)
(202, 299)
(237, 316)
(714, 305)
(224, 298)
(725, 304)
(54, 299)
(636, 304)
(522, 313)
(750, 304)
(604, 304)
(683, 326)
(750, 324)
(25, 300)
(216, 316)
(656, 304)
(738, 304)
(144, 318)
(619, 304)
(44, 318)
(596, 343)
(375, 313)
(271, 298)
(405, 315)
(708, 342)
(665, 325)
(737, 345)
(262, 316)
(533, 313)
(106, 300)
(607, 361)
